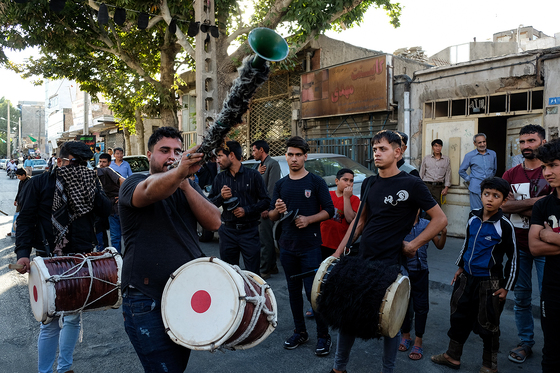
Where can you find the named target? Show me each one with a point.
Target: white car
(3, 163)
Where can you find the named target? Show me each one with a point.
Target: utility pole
(9, 153)
(86, 108)
(206, 70)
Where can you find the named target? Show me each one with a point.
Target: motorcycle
(11, 174)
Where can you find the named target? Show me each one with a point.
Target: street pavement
(106, 348)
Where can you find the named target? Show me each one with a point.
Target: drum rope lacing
(66, 275)
(260, 306)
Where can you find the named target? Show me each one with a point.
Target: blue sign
(554, 101)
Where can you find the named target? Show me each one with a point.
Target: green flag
(33, 139)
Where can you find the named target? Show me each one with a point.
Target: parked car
(3, 163)
(39, 166)
(138, 163)
(325, 165)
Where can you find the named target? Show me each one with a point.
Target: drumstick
(3, 212)
(15, 266)
(304, 274)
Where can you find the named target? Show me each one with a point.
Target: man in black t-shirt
(391, 205)
(306, 196)
(159, 213)
(544, 239)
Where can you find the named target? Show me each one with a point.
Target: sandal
(405, 344)
(441, 360)
(309, 313)
(521, 352)
(416, 354)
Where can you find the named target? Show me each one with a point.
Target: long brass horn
(267, 45)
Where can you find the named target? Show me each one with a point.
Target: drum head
(200, 306)
(41, 293)
(318, 280)
(394, 306)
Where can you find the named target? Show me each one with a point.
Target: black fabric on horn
(143, 19)
(103, 15)
(120, 16)
(20, 1)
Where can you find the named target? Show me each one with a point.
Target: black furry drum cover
(351, 298)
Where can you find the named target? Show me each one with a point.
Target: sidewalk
(442, 269)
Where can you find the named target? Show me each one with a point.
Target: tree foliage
(137, 69)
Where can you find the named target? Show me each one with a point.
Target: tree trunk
(127, 147)
(169, 103)
(140, 132)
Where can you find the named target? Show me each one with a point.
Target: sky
(430, 24)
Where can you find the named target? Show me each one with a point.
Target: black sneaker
(323, 346)
(295, 340)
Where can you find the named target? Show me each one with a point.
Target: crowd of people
(70, 208)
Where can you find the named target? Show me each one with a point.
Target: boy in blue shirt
(419, 304)
(489, 236)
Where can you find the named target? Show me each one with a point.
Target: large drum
(74, 283)
(345, 297)
(208, 304)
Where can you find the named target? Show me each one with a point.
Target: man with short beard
(527, 186)
(159, 213)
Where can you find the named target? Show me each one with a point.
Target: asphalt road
(106, 348)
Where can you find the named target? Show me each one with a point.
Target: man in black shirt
(159, 213)
(544, 239)
(391, 205)
(241, 193)
(306, 196)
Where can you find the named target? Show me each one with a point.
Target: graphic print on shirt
(307, 193)
(522, 191)
(402, 196)
(554, 220)
(338, 215)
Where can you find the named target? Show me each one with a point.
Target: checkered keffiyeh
(73, 197)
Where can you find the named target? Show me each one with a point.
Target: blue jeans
(523, 294)
(346, 341)
(51, 337)
(115, 229)
(145, 329)
(295, 262)
(475, 201)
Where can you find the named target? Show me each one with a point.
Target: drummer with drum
(57, 217)
(159, 213)
(391, 204)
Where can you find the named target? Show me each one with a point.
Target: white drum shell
(318, 280)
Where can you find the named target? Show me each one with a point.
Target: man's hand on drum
(459, 271)
(25, 263)
(408, 250)
(239, 212)
(501, 293)
(226, 192)
(190, 162)
(280, 206)
(301, 221)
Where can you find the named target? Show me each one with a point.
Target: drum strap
(369, 183)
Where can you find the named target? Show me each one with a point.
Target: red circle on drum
(200, 301)
(35, 295)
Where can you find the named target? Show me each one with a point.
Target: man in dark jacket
(57, 217)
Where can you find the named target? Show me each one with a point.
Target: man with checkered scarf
(57, 218)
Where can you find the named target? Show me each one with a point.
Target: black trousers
(475, 309)
(419, 304)
(245, 242)
(550, 323)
